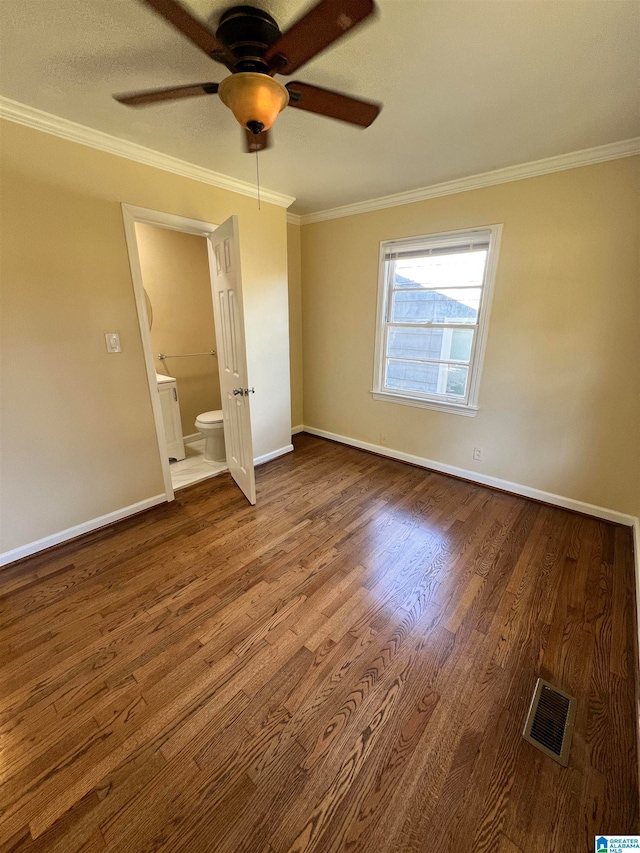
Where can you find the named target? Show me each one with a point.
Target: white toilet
(210, 425)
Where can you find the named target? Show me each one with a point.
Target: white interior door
(232, 355)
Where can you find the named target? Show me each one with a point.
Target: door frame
(130, 215)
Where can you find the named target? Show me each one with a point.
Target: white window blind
(398, 249)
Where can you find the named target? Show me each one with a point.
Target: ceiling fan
(249, 43)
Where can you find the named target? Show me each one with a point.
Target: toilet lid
(214, 417)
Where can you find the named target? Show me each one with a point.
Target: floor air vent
(549, 723)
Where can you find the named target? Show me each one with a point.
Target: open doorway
(188, 290)
(176, 280)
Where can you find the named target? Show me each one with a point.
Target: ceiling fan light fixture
(255, 99)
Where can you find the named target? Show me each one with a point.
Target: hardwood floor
(345, 667)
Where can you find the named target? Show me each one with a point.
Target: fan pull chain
(258, 178)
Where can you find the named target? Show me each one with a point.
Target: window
(433, 309)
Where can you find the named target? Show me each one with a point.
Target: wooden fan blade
(153, 96)
(256, 142)
(320, 27)
(194, 30)
(332, 104)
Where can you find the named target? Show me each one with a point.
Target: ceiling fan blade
(256, 142)
(332, 104)
(154, 96)
(320, 27)
(194, 30)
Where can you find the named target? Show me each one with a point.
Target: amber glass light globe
(253, 98)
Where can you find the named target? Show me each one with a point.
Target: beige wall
(560, 392)
(175, 274)
(295, 321)
(77, 433)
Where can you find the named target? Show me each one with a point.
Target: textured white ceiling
(467, 87)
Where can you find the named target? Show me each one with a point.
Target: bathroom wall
(175, 273)
(77, 433)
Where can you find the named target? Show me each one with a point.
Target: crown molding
(48, 123)
(586, 157)
(39, 120)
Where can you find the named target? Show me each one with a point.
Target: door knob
(248, 391)
(237, 391)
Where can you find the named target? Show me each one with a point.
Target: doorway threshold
(194, 467)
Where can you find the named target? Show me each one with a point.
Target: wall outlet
(477, 454)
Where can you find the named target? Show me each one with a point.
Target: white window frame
(454, 405)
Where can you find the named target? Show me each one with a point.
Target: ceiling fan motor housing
(248, 32)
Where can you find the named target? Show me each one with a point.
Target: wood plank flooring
(345, 667)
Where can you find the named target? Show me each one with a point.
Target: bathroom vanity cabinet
(170, 405)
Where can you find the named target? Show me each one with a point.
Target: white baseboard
(189, 439)
(79, 530)
(483, 479)
(267, 457)
(296, 429)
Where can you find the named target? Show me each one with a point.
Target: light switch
(113, 342)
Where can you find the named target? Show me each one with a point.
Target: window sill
(450, 408)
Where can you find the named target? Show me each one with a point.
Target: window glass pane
(459, 305)
(424, 378)
(461, 341)
(464, 269)
(457, 380)
(437, 344)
